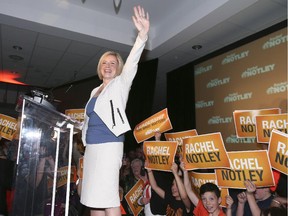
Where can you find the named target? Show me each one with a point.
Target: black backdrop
(180, 98)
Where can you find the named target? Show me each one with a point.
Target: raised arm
(154, 184)
(229, 203)
(181, 188)
(142, 24)
(187, 184)
(242, 199)
(251, 188)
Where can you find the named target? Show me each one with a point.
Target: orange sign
(8, 127)
(62, 173)
(204, 152)
(133, 195)
(77, 114)
(199, 179)
(179, 136)
(246, 165)
(278, 151)
(159, 122)
(81, 167)
(159, 154)
(266, 123)
(244, 120)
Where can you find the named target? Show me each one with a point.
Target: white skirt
(100, 184)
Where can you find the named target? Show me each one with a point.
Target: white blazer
(111, 103)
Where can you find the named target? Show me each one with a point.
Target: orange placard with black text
(77, 114)
(278, 151)
(62, 174)
(244, 120)
(8, 127)
(81, 167)
(159, 154)
(266, 123)
(133, 195)
(179, 136)
(198, 179)
(205, 152)
(159, 122)
(246, 165)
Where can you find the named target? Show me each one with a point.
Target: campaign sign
(77, 114)
(133, 195)
(159, 122)
(81, 167)
(62, 174)
(8, 127)
(244, 121)
(246, 165)
(266, 123)
(159, 154)
(179, 136)
(199, 179)
(204, 152)
(278, 151)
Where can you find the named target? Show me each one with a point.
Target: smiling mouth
(209, 208)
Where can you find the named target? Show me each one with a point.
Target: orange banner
(159, 154)
(244, 120)
(246, 165)
(278, 151)
(204, 152)
(266, 123)
(77, 114)
(159, 122)
(133, 195)
(179, 136)
(81, 167)
(8, 127)
(199, 179)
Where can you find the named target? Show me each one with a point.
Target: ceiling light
(16, 57)
(196, 47)
(117, 4)
(18, 48)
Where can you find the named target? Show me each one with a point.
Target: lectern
(44, 171)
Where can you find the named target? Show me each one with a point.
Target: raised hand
(229, 201)
(242, 198)
(250, 186)
(141, 22)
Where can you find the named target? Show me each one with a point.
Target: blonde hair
(119, 61)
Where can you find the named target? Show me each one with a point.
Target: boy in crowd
(209, 204)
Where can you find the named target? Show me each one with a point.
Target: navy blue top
(97, 131)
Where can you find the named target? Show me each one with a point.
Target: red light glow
(8, 77)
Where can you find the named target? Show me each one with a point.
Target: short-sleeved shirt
(201, 211)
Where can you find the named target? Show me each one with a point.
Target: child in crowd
(254, 200)
(209, 204)
(176, 199)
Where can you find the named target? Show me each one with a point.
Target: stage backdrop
(251, 76)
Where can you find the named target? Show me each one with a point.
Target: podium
(45, 171)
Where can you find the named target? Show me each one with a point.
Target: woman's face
(109, 67)
(211, 202)
(136, 168)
